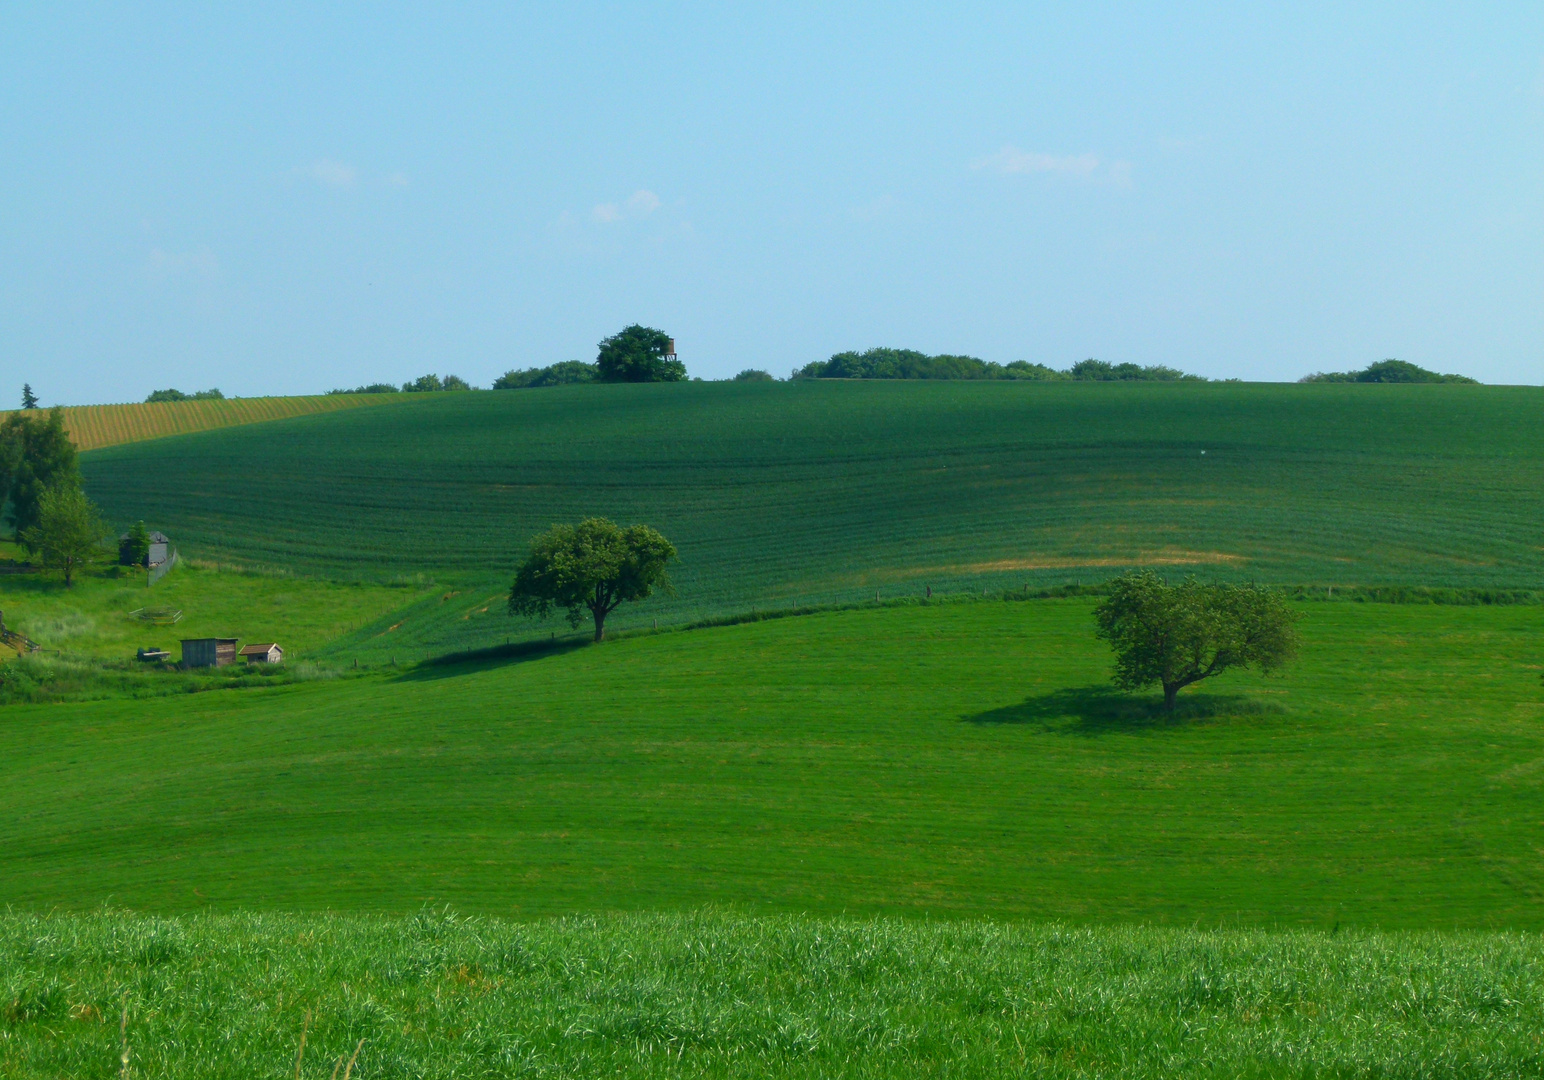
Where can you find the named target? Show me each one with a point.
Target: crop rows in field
(787, 493)
(94, 426)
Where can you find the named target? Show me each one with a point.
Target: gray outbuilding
(160, 549)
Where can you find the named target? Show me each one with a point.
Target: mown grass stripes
(948, 760)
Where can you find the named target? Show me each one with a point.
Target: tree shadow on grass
(455, 665)
(1098, 710)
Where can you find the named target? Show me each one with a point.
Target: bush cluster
(910, 364)
(178, 395)
(560, 374)
(1387, 371)
(424, 384)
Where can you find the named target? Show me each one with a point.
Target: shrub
(373, 388)
(1387, 371)
(559, 374)
(178, 395)
(909, 364)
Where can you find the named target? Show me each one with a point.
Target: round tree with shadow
(1177, 635)
(593, 566)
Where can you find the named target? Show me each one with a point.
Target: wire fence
(160, 570)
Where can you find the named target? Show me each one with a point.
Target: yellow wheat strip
(94, 426)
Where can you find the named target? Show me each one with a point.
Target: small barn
(160, 548)
(208, 652)
(263, 652)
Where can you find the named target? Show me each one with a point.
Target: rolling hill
(953, 760)
(816, 491)
(92, 427)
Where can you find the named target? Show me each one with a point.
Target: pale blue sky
(287, 199)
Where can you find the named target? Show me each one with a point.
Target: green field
(893, 839)
(724, 996)
(98, 617)
(787, 493)
(961, 759)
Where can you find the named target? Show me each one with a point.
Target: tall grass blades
(719, 995)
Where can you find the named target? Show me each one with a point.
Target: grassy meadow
(781, 494)
(909, 837)
(94, 426)
(721, 995)
(956, 760)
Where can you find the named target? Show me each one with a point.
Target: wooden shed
(160, 549)
(208, 651)
(263, 652)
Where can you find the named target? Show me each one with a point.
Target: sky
(285, 198)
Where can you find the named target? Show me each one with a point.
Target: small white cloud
(334, 174)
(1089, 168)
(642, 203)
(163, 264)
(639, 204)
(1013, 160)
(397, 180)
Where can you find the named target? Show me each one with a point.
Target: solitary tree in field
(68, 530)
(29, 400)
(1176, 635)
(592, 566)
(638, 354)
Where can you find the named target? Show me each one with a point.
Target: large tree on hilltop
(593, 566)
(638, 354)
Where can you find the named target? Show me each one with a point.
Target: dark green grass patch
(954, 760)
(791, 494)
(722, 995)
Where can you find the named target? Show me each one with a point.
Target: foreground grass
(960, 760)
(725, 995)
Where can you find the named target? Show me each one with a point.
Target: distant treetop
(639, 354)
(753, 375)
(559, 374)
(29, 400)
(429, 384)
(424, 384)
(373, 388)
(1387, 371)
(909, 364)
(178, 395)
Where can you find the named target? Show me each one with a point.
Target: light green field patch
(953, 760)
